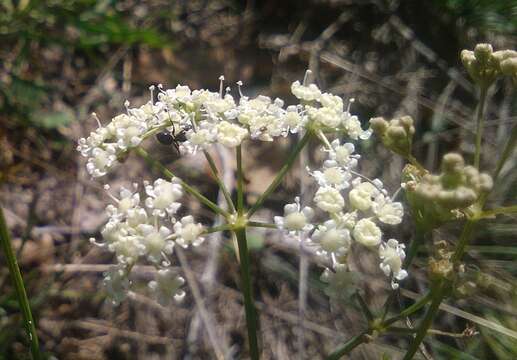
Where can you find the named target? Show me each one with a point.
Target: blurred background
(62, 60)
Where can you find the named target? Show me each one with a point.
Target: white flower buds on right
(457, 187)
(396, 135)
(484, 65)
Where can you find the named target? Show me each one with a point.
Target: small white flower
(332, 239)
(329, 199)
(392, 255)
(361, 196)
(101, 161)
(128, 248)
(387, 211)
(324, 116)
(188, 233)
(307, 93)
(348, 219)
(293, 120)
(136, 216)
(128, 201)
(218, 105)
(163, 196)
(203, 136)
(167, 286)
(344, 154)
(353, 128)
(367, 233)
(295, 218)
(156, 241)
(332, 175)
(230, 135)
(331, 101)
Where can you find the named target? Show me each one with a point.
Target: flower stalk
(189, 189)
(219, 181)
(240, 182)
(380, 327)
(17, 279)
(281, 174)
(246, 288)
(479, 124)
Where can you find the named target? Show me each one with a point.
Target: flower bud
(435, 199)
(396, 135)
(467, 58)
(485, 182)
(484, 65)
(378, 125)
(452, 162)
(502, 55)
(509, 67)
(482, 52)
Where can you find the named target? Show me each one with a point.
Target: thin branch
(200, 304)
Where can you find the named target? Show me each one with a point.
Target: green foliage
(84, 30)
(485, 15)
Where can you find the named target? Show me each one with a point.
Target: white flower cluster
(352, 206)
(206, 117)
(191, 120)
(330, 112)
(146, 229)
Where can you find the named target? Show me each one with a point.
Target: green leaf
(52, 120)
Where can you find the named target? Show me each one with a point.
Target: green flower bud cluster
(396, 135)
(436, 199)
(456, 187)
(484, 65)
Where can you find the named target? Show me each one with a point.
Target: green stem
(280, 176)
(17, 279)
(214, 229)
(349, 346)
(262, 225)
(409, 310)
(240, 182)
(438, 294)
(364, 308)
(479, 125)
(362, 337)
(465, 236)
(170, 175)
(418, 240)
(219, 181)
(441, 290)
(251, 316)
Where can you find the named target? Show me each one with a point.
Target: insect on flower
(171, 138)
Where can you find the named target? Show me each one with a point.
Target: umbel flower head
(207, 117)
(145, 227)
(396, 135)
(484, 65)
(350, 207)
(442, 197)
(457, 186)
